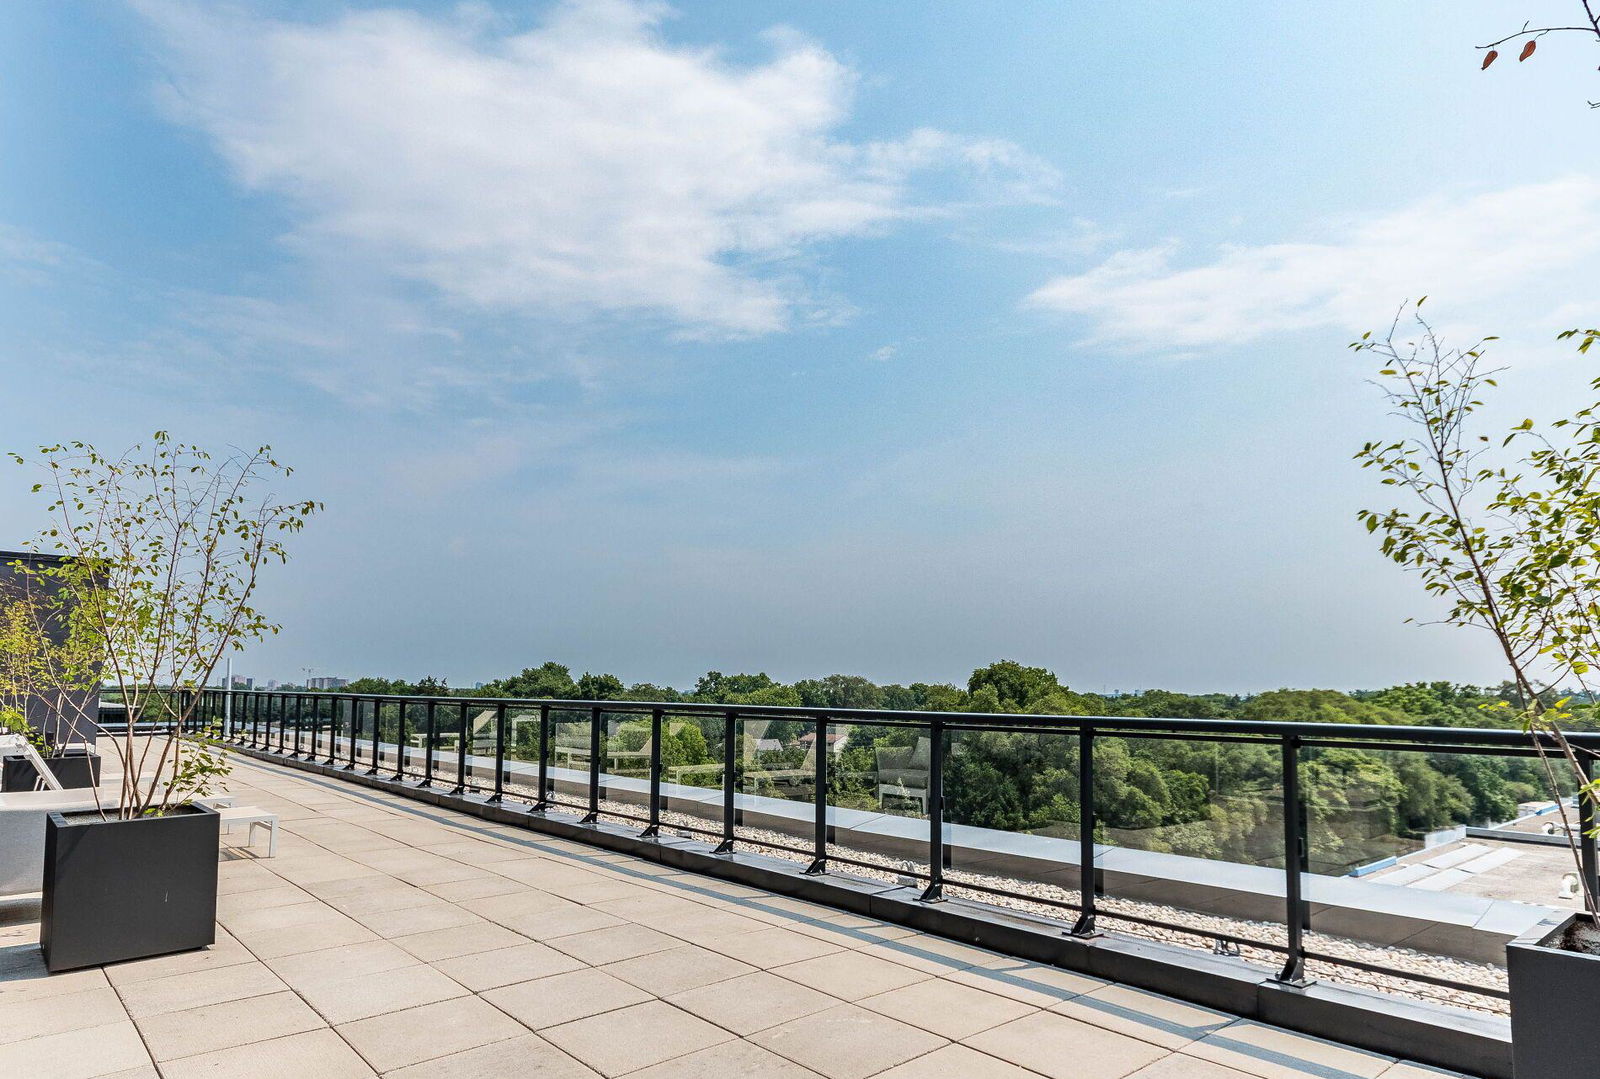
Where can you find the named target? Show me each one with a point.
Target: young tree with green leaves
(162, 549)
(1505, 531)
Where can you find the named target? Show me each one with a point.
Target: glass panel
(522, 753)
(625, 768)
(366, 724)
(1011, 819)
(388, 731)
(569, 758)
(445, 741)
(283, 733)
(1393, 826)
(691, 780)
(776, 786)
(878, 801)
(411, 738)
(300, 725)
(1190, 834)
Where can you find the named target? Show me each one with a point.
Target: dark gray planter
(125, 889)
(70, 769)
(1555, 1000)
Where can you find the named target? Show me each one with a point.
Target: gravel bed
(1206, 928)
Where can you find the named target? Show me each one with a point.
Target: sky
(864, 337)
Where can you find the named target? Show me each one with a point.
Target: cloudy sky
(870, 337)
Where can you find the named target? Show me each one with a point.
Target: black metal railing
(458, 735)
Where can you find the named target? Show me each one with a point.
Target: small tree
(163, 547)
(1505, 531)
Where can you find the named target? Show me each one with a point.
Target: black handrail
(1264, 730)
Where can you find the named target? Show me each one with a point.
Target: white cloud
(1499, 255)
(584, 167)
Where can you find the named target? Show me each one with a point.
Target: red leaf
(1527, 50)
(1488, 59)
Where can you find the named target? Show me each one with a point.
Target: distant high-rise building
(327, 683)
(241, 682)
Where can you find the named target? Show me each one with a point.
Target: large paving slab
(394, 938)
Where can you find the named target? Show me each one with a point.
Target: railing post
(427, 748)
(332, 759)
(400, 742)
(594, 768)
(377, 732)
(654, 827)
(316, 728)
(935, 889)
(730, 741)
(355, 727)
(278, 707)
(461, 755)
(819, 841)
(499, 754)
(1294, 967)
(1586, 824)
(542, 803)
(1088, 875)
(299, 714)
(255, 720)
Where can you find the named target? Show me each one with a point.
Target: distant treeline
(1005, 686)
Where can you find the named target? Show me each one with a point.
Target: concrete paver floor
(393, 938)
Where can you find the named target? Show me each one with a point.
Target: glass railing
(1384, 856)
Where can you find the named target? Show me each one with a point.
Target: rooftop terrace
(405, 939)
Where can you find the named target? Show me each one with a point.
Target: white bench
(255, 817)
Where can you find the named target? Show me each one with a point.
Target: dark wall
(77, 723)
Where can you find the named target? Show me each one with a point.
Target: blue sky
(867, 337)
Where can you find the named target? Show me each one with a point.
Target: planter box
(1555, 1000)
(125, 889)
(70, 769)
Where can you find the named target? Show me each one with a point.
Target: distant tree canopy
(424, 687)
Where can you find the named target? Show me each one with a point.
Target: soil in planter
(1582, 936)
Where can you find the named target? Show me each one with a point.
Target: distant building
(241, 682)
(327, 683)
(836, 740)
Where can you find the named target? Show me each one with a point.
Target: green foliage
(599, 687)
(551, 680)
(399, 687)
(719, 688)
(1011, 685)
